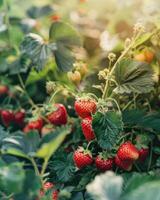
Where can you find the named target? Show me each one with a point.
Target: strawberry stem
(150, 157)
(137, 167)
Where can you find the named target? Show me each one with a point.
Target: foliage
(44, 68)
(107, 128)
(133, 76)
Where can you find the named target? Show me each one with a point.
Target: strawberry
(59, 116)
(85, 107)
(48, 185)
(127, 151)
(82, 158)
(3, 90)
(55, 195)
(87, 128)
(34, 125)
(104, 164)
(19, 118)
(7, 117)
(123, 164)
(143, 153)
(46, 129)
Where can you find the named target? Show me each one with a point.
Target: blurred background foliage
(103, 26)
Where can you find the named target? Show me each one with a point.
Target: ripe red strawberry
(143, 153)
(104, 164)
(19, 118)
(34, 125)
(48, 185)
(82, 158)
(7, 117)
(55, 195)
(127, 151)
(87, 128)
(59, 116)
(85, 108)
(3, 90)
(123, 164)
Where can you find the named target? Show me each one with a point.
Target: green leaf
(142, 39)
(132, 117)
(142, 119)
(31, 186)
(61, 32)
(37, 12)
(142, 187)
(1, 3)
(158, 162)
(16, 35)
(107, 128)
(63, 166)
(36, 49)
(135, 181)
(12, 177)
(35, 76)
(64, 58)
(56, 138)
(66, 39)
(21, 145)
(133, 77)
(15, 152)
(20, 65)
(107, 186)
(3, 134)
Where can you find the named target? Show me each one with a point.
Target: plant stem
(137, 167)
(150, 158)
(118, 60)
(6, 4)
(53, 95)
(107, 83)
(129, 103)
(115, 103)
(24, 89)
(35, 166)
(123, 137)
(44, 167)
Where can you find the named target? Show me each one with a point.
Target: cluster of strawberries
(47, 187)
(126, 155)
(57, 117)
(9, 117)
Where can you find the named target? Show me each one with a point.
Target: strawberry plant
(73, 131)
